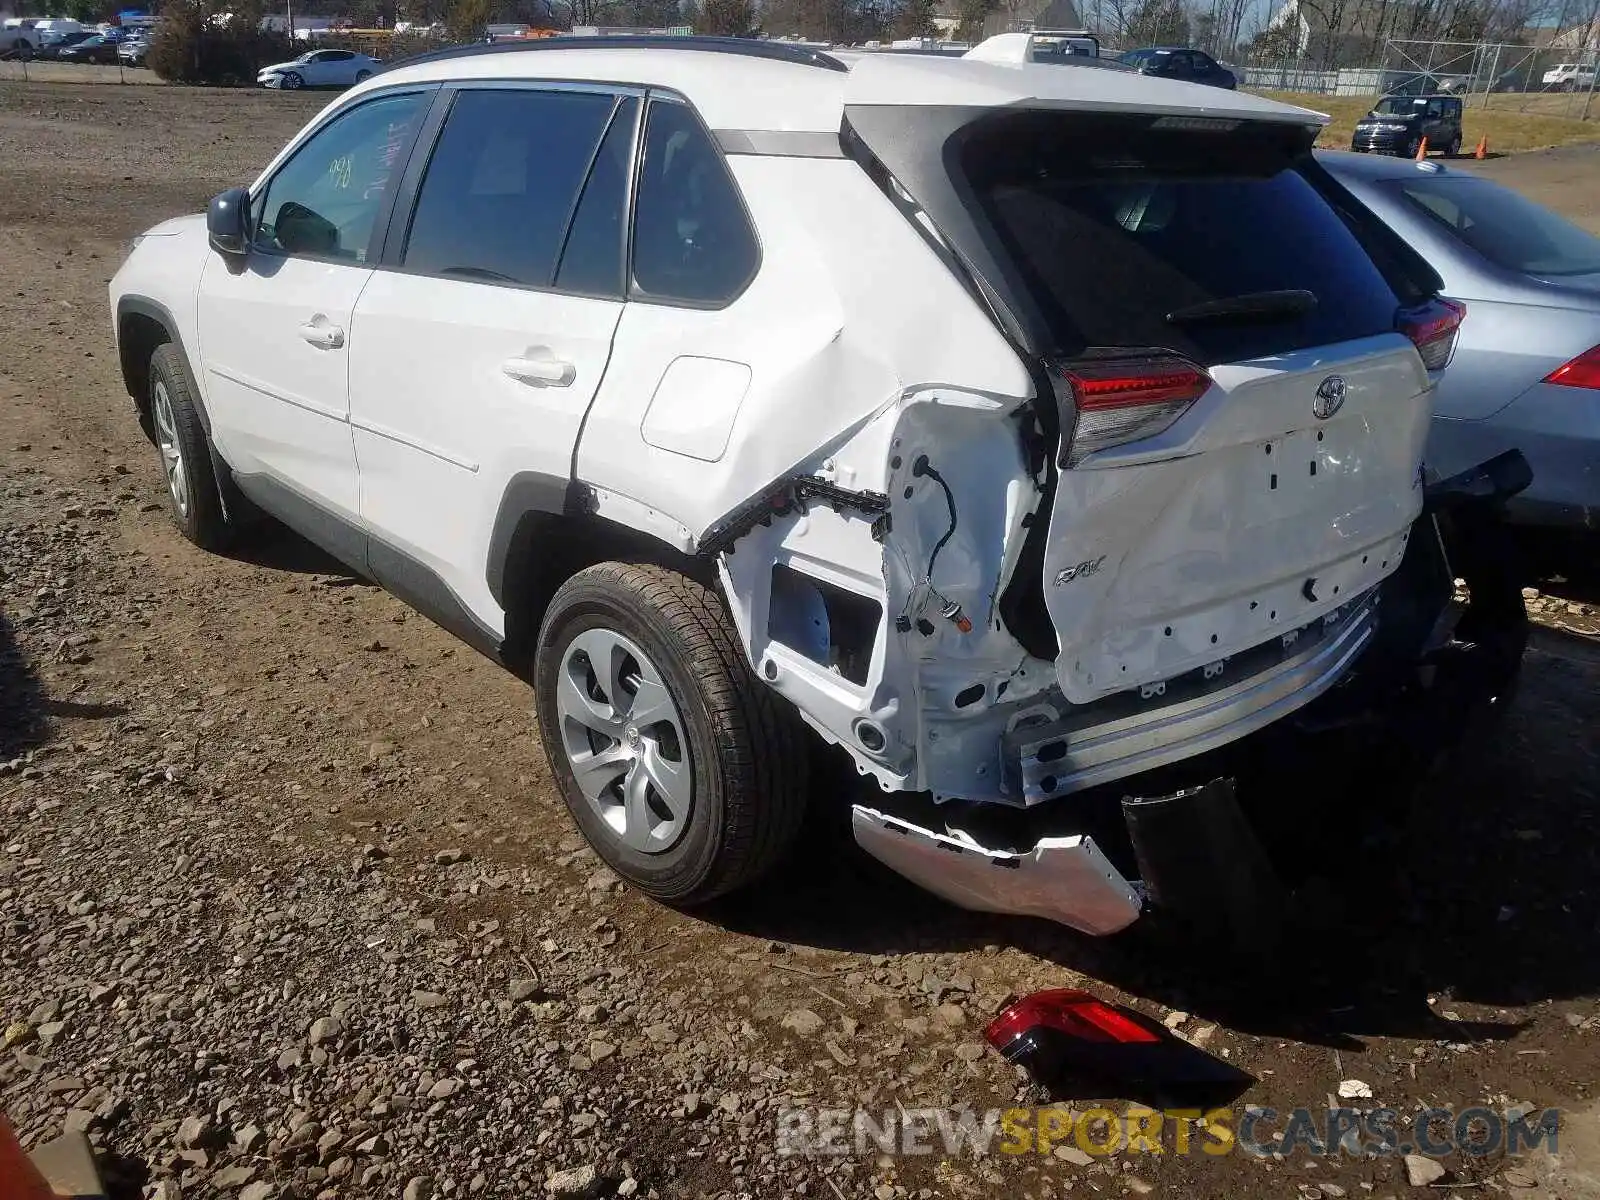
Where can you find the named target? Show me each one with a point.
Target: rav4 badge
(1083, 569)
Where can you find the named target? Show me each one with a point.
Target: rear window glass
(1113, 226)
(1505, 228)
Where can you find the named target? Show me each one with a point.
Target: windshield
(1505, 228)
(1137, 58)
(1397, 106)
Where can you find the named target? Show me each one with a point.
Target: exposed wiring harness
(924, 594)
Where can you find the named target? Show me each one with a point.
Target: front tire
(193, 501)
(678, 766)
(293, 82)
(362, 77)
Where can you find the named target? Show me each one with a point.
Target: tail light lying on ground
(1581, 372)
(1121, 400)
(1432, 328)
(1073, 1044)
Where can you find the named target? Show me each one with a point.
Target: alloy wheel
(171, 449)
(623, 736)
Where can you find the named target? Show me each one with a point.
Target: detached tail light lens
(1582, 372)
(1121, 400)
(1067, 1011)
(1432, 328)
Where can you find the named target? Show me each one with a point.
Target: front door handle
(540, 370)
(321, 333)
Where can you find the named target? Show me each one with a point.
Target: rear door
(1242, 425)
(480, 344)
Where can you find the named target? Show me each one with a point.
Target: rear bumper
(1558, 431)
(1401, 677)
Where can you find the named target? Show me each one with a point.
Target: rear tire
(184, 452)
(693, 778)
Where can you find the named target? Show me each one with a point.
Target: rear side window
(1120, 231)
(502, 184)
(692, 241)
(1501, 225)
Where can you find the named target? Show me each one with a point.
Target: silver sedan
(1526, 372)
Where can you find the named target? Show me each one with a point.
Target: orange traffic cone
(19, 1180)
(1482, 151)
(1422, 150)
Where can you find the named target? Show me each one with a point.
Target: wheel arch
(545, 532)
(142, 326)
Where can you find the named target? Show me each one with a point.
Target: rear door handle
(320, 333)
(540, 370)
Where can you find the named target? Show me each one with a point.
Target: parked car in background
(96, 49)
(1179, 62)
(1570, 77)
(1527, 369)
(1397, 125)
(53, 29)
(18, 39)
(133, 51)
(704, 474)
(320, 69)
(53, 48)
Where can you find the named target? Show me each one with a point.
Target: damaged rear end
(1210, 517)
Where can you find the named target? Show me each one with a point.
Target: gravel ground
(289, 908)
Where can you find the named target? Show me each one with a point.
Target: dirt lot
(288, 906)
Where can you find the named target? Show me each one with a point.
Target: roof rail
(749, 47)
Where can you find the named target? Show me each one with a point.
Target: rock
(325, 1029)
(969, 1051)
(577, 1181)
(165, 1189)
(662, 1035)
(449, 858)
(525, 989)
(1174, 1018)
(628, 1186)
(428, 999)
(249, 1139)
(600, 1051)
(19, 1033)
(1073, 1155)
(44, 1013)
(692, 1105)
(444, 1089)
(232, 1177)
(591, 1014)
(102, 991)
(803, 1021)
(1518, 1178)
(1354, 1089)
(289, 1059)
(1332, 1190)
(1421, 1171)
(194, 1132)
(418, 1187)
(259, 1190)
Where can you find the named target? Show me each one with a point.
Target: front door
(475, 359)
(275, 335)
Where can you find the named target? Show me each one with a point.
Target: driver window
(1436, 108)
(692, 241)
(324, 202)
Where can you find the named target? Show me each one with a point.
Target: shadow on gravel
(279, 548)
(1483, 888)
(24, 721)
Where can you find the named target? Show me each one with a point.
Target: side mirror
(227, 222)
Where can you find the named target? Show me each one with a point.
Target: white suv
(1017, 428)
(1570, 77)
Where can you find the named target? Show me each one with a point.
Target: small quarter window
(692, 240)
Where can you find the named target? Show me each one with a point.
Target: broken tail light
(1432, 328)
(1071, 1043)
(1121, 400)
(1581, 372)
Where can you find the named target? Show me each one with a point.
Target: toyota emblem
(1330, 397)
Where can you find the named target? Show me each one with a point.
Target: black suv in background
(1397, 125)
(1178, 62)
